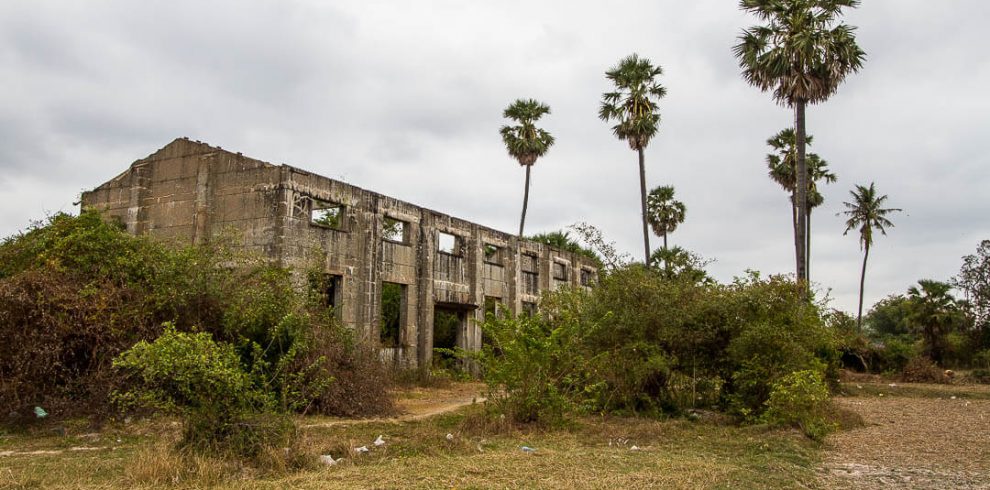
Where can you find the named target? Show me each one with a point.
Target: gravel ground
(911, 443)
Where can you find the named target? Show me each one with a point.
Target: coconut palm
(633, 105)
(866, 213)
(664, 212)
(781, 165)
(802, 55)
(524, 141)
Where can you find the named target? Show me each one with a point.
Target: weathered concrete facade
(189, 191)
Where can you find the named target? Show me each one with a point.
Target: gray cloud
(406, 99)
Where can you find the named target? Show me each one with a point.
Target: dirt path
(418, 404)
(412, 404)
(941, 441)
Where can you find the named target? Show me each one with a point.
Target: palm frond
(633, 103)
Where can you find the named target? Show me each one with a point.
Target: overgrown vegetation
(562, 239)
(645, 342)
(919, 334)
(76, 292)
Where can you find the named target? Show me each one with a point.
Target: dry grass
(897, 389)
(913, 436)
(592, 453)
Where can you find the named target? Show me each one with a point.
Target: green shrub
(526, 365)
(644, 342)
(800, 399)
(982, 359)
(75, 292)
(203, 381)
(182, 371)
(892, 354)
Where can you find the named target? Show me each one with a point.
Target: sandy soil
(912, 442)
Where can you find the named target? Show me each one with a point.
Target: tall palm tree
(633, 105)
(664, 212)
(802, 55)
(866, 213)
(524, 141)
(781, 165)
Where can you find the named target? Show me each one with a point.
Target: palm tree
(663, 212)
(933, 313)
(782, 165)
(802, 56)
(524, 141)
(866, 213)
(633, 105)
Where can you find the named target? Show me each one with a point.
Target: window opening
(494, 254)
(587, 277)
(530, 276)
(448, 243)
(528, 308)
(328, 214)
(492, 307)
(447, 326)
(493, 311)
(394, 230)
(327, 289)
(393, 302)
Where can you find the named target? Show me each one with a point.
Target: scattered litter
(634, 448)
(362, 449)
(953, 397)
(881, 394)
(328, 460)
(859, 386)
(527, 449)
(892, 385)
(40, 412)
(450, 437)
(379, 441)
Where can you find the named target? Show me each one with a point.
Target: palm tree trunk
(794, 227)
(665, 241)
(807, 249)
(642, 193)
(862, 280)
(522, 220)
(802, 190)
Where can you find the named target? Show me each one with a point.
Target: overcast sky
(405, 98)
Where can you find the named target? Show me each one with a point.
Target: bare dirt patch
(940, 441)
(417, 404)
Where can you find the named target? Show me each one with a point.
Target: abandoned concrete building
(442, 269)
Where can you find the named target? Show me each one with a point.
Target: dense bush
(643, 341)
(525, 363)
(75, 292)
(801, 399)
(204, 382)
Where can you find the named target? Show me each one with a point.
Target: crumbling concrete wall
(189, 191)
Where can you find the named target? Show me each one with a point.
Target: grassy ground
(591, 453)
(915, 390)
